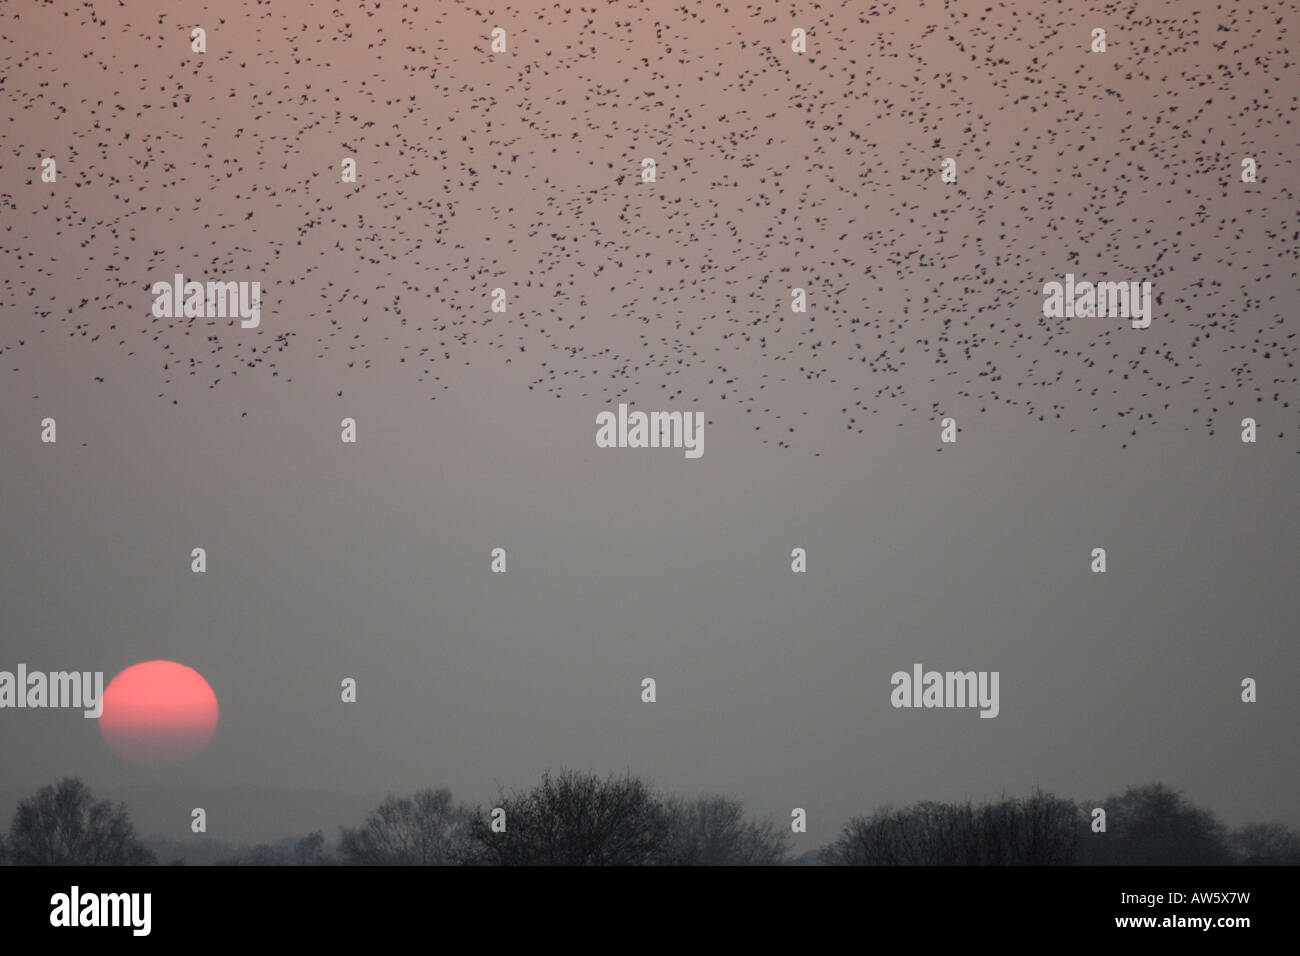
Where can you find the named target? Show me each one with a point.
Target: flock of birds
(775, 170)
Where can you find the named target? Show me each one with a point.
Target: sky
(476, 430)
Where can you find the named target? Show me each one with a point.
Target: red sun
(158, 713)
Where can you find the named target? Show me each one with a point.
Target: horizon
(838, 263)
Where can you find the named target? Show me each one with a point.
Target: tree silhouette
(426, 829)
(576, 819)
(309, 850)
(1155, 825)
(1039, 830)
(580, 819)
(713, 831)
(1265, 844)
(63, 825)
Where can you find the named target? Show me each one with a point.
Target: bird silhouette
(775, 170)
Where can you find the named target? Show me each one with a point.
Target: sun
(158, 713)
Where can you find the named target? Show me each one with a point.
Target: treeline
(573, 819)
(581, 819)
(1151, 825)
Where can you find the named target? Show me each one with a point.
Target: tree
(426, 829)
(1156, 826)
(309, 850)
(921, 835)
(1265, 844)
(575, 819)
(713, 831)
(63, 825)
(1039, 830)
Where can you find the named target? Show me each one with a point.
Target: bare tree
(1265, 844)
(1039, 830)
(63, 825)
(426, 829)
(308, 850)
(1156, 826)
(277, 853)
(713, 831)
(575, 819)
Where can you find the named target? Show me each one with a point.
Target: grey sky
(371, 561)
